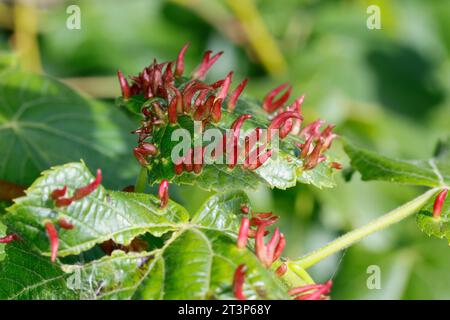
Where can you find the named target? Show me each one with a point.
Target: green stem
(141, 181)
(354, 236)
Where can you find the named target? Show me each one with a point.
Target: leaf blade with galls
(116, 215)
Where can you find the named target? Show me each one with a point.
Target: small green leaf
(26, 275)
(438, 227)
(372, 166)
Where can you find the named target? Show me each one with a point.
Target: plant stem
(354, 236)
(141, 181)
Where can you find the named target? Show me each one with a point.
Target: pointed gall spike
(63, 202)
(244, 208)
(280, 247)
(272, 244)
(54, 241)
(243, 233)
(58, 193)
(232, 101)
(225, 86)
(179, 69)
(163, 193)
(438, 203)
(84, 191)
(172, 110)
(260, 247)
(216, 110)
(281, 270)
(270, 105)
(9, 238)
(138, 155)
(206, 64)
(336, 165)
(238, 282)
(279, 121)
(236, 127)
(125, 88)
(63, 223)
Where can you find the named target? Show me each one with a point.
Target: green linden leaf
(282, 172)
(372, 166)
(190, 258)
(100, 216)
(44, 123)
(437, 227)
(26, 275)
(197, 262)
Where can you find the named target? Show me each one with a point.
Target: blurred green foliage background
(387, 89)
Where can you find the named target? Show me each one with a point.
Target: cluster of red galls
(268, 253)
(169, 95)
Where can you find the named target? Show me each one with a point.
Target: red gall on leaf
(236, 128)
(225, 86)
(235, 95)
(54, 241)
(314, 158)
(311, 130)
(244, 208)
(216, 111)
(78, 193)
(281, 270)
(263, 218)
(139, 157)
(312, 291)
(179, 68)
(125, 88)
(58, 193)
(203, 110)
(63, 223)
(168, 79)
(9, 238)
(252, 233)
(293, 125)
(63, 202)
(206, 64)
(336, 165)
(438, 203)
(86, 190)
(279, 121)
(238, 282)
(189, 92)
(163, 193)
(270, 252)
(269, 105)
(243, 233)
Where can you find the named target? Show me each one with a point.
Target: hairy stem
(141, 181)
(354, 236)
